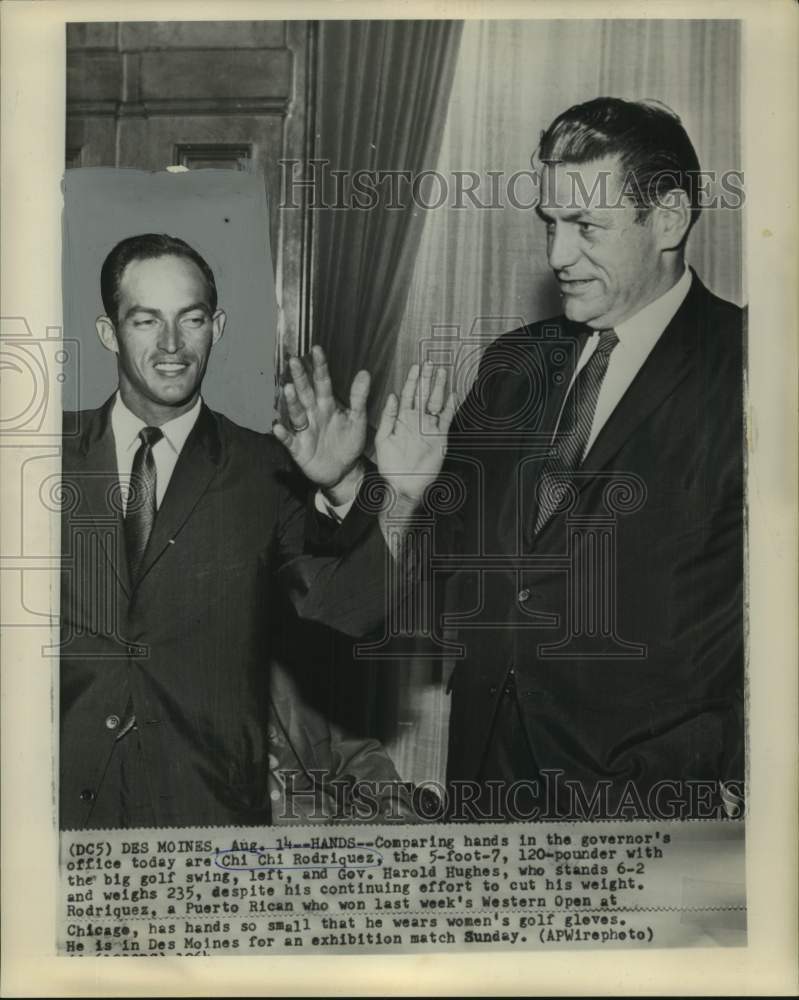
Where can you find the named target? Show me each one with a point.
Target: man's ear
(107, 333)
(673, 214)
(219, 319)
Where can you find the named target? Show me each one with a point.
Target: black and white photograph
(584, 541)
(388, 477)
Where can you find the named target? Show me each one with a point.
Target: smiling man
(189, 548)
(603, 670)
(165, 322)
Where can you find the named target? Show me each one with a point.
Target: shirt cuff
(335, 511)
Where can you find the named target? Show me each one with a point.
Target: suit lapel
(664, 369)
(99, 489)
(530, 458)
(666, 366)
(194, 471)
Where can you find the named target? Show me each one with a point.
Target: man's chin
(169, 387)
(174, 396)
(582, 312)
(576, 312)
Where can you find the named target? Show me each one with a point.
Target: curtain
(482, 270)
(382, 94)
(382, 100)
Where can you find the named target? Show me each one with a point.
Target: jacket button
(523, 595)
(87, 795)
(492, 689)
(112, 722)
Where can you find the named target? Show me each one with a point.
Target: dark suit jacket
(625, 635)
(189, 644)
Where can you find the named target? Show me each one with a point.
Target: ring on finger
(301, 427)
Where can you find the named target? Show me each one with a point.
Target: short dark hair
(147, 246)
(649, 139)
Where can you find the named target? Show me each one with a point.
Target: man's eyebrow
(157, 312)
(196, 305)
(141, 309)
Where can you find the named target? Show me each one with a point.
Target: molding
(275, 106)
(172, 36)
(223, 152)
(307, 276)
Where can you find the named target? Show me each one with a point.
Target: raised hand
(324, 439)
(411, 440)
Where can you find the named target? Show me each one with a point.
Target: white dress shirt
(637, 336)
(126, 426)
(335, 511)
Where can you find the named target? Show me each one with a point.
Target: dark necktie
(140, 514)
(584, 393)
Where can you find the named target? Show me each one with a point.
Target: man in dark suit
(188, 551)
(601, 451)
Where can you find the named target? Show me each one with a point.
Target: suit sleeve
(336, 575)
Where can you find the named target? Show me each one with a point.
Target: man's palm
(325, 440)
(411, 441)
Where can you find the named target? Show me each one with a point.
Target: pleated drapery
(384, 89)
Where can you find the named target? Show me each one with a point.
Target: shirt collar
(126, 425)
(640, 332)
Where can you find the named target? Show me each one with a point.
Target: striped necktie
(584, 394)
(141, 508)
